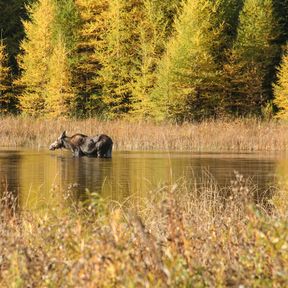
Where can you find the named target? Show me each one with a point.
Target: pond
(38, 176)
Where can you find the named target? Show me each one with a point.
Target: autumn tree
(66, 24)
(135, 60)
(45, 78)
(188, 84)
(60, 98)
(130, 39)
(152, 31)
(165, 12)
(281, 89)
(116, 52)
(5, 81)
(249, 72)
(37, 49)
(86, 67)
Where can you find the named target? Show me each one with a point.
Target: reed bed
(220, 135)
(177, 237)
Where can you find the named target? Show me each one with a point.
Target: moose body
(82, 145)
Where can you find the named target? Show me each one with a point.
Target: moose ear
(63, 135)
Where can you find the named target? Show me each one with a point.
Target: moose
(82, 145)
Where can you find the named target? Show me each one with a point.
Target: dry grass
(238, 135)
(176, 238)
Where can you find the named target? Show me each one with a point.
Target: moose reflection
(82, 145)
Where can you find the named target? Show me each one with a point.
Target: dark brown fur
(82, 145)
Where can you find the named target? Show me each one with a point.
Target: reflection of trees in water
(208, 171)
(282, 174)
(135, 174)
(116, 178)
(9, 177)
(38, 178)
(41, 178)
(80, 174)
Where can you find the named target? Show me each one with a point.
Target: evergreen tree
(128, 52)
(85, 70)
(117, 53)
(37, 49)
(11, 28)
(46, 78)
(66, 23)
(251, 63)
(281, 13)
(151, 31)
(165, 13)
(140, 21)
(60, 97)
(188, 76)
(281, 89)
(228, 18)
(5, 81)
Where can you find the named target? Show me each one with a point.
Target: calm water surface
(40, 176)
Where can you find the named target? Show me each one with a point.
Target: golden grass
(176, 238)
(236, 135)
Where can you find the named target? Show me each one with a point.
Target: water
(38, 177)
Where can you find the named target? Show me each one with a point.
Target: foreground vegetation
(233, 135)
(205, 237)
(181, 235)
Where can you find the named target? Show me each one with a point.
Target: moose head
(59, 143)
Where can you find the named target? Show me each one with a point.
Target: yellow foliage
(4, 69)
(281, 89)
(87, 67)
(188, 65)
(34, 62)
(5, 84)
(59, 97)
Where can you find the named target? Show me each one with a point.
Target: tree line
(179, 60)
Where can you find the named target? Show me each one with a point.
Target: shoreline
(243, 135)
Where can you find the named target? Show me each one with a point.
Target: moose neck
(67, 143)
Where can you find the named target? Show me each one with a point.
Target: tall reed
(231, 135)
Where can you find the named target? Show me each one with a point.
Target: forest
(178, 60)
